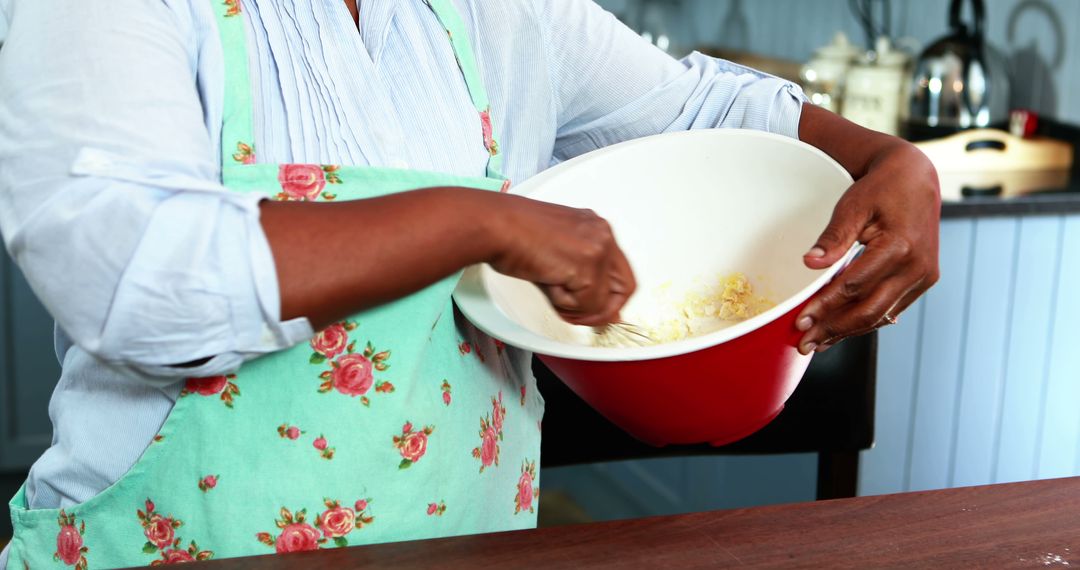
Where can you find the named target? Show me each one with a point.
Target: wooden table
(1023, 525)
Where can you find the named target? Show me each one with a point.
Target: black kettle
(959, 81)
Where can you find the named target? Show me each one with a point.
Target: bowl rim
(477, 305)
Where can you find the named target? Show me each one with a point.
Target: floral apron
(399, 423)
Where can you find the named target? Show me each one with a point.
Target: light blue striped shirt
(110, 194)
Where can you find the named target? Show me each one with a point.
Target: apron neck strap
(237, 127)
(237, 132)
(451, 21)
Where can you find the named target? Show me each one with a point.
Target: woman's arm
(416, 238)
(609, 85)
(110, 200)
(893, 208)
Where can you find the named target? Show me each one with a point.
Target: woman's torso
(355, 98)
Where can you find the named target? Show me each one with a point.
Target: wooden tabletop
(1022, 525)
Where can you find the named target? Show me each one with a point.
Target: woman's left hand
(894, 210)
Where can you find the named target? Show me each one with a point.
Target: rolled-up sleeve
(110, 194)
(611, 85)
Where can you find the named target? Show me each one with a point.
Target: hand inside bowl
(570, 253)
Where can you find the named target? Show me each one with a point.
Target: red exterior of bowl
(717, 395)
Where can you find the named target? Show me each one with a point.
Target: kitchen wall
(1040, 38)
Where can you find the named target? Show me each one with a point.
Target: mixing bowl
(685, 207)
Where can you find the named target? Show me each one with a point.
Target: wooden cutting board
(989, 162)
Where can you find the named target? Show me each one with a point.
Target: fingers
(614, 288)
(871, 286)
(907, 301)
(571, 254)
(855, 282)
(859, 318)
(600, 287)
(848, 221)
(861, 300)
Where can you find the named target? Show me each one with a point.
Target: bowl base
(726, 440)
(768, 420)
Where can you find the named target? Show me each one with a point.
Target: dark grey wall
(28, 374)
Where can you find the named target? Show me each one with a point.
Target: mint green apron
(399, 423)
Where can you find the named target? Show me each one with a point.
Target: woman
(194, 188)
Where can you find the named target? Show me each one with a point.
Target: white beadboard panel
(996, 369)
(1070, 69)
(883, 469)
(1059, 438)
(977, 410)
(1038, 254)
(940, 363)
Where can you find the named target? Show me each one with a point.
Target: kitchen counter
(1057, 202)
(1019, 525)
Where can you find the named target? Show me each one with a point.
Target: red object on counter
(1023, 123)
(719, 394)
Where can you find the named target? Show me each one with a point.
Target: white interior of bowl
(685, 207)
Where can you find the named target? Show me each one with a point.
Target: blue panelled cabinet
(981, 382)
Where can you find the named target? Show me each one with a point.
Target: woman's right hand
(571, 254)
(412, 239)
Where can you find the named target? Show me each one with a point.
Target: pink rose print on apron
(526, 493)
(161, 538)
(306, 182)
(466, 348)
(436, 509)
(489, 134)
(69, 541)
(350, 373)
(334, 524)
(225, 386)
(296, 534)
(491, 433)
(323, 447)
(244, 154)
(287, 431)
(209, 482)
(412, 444)
(337, 522)
(446, 398)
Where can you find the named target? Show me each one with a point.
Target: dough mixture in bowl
(670, 316)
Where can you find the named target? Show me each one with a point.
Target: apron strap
(237, 129)
(455, 28)
(237, 132)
